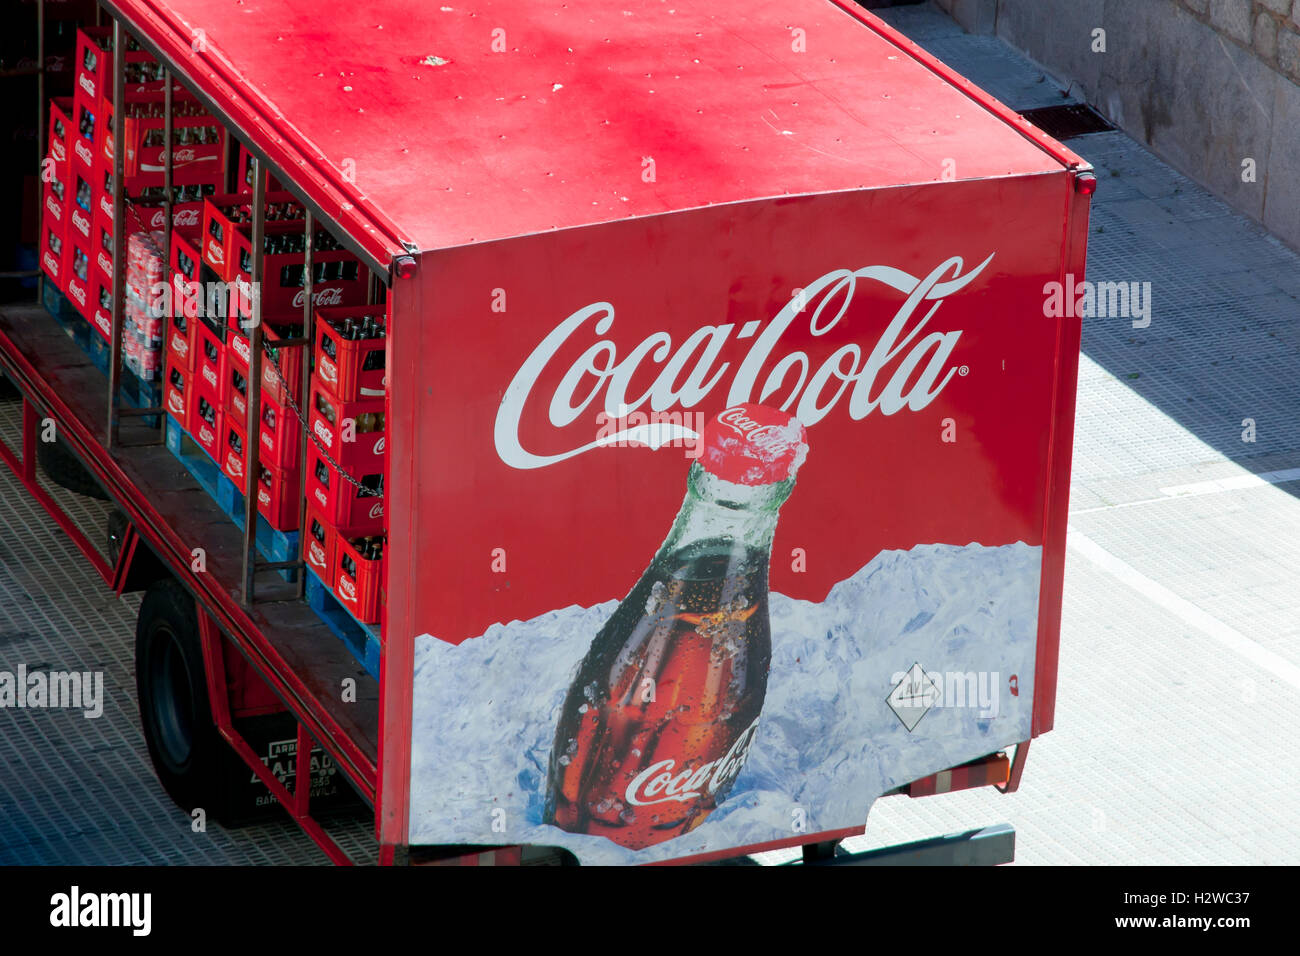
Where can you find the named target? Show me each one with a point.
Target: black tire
(63, 468)
(189, 755)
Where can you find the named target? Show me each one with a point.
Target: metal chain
(364, 492)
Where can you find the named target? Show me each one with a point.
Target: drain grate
(1068, 120)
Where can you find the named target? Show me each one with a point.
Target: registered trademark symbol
(964, 370)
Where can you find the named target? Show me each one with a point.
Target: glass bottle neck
(715, 509)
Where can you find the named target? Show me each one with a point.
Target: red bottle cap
(754, 445)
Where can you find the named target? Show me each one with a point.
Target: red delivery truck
(632, 434)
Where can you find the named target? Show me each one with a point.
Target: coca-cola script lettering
(914, 367)
(658, 783)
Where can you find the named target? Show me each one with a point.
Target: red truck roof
(418, 126)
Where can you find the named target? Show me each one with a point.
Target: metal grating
(82, 791)
(1068, 120)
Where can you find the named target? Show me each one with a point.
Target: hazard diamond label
(913, 696)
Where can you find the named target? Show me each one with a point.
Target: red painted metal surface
(488, 462)
(422, 135)
(298, 802)
(444, 125)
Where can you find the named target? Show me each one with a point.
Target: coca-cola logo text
(328, 370)
(377, 510)
(51, 263)
(325, 434)
(315, 554)
(347, 589)
(86, 84)
(175, 403)
(78, 292)
(82, 222)
(764, 437)
(59, 150)
(320, 297)
(658, 783)
(905, 368)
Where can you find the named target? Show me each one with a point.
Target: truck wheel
(63, 468)
(188, 752)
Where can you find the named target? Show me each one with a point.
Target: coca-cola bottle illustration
(665, 705)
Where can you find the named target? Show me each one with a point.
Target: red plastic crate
(198, 141)
(56, 251)
(244, 174)
(221, 239)
(234, 449)
(176, 379)
(234, 388)
(338, 277)
(101, 241)
(85, 139)
(279, 432)
(62, 132)
(356, 369)
(80, 273)
(339, 500)
(140, 215)
(289, 358)
(210, 359)
(277, 496)
(318, 544)
(101, 303)
(54, 202)
(180, 339)
(356, 580)
(339, 427)
(205, 419)
(94, 65)
(81, 221)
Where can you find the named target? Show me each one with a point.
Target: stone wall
(1211, 86)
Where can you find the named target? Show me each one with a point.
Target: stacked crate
(346, 415)
(77, 230)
